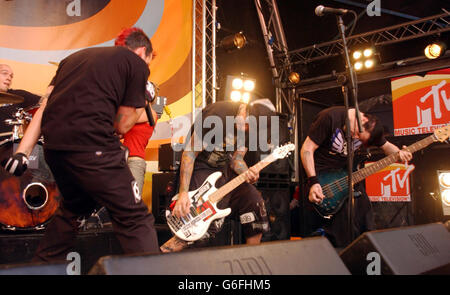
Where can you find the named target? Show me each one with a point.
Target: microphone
(148, 111)
(322, 10)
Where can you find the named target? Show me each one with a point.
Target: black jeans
(87, 180)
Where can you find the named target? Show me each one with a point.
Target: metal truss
(204, 53)
(411, 30)
(277, 50)
(280, 65)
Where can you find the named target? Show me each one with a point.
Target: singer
(96, 93)
(137, 138)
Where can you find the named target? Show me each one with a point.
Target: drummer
(7, 110)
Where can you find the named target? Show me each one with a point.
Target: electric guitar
(203, 209)
(335, 182)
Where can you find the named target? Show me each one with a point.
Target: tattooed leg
(175, 244)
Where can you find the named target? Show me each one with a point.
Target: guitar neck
(238, 180)
(392, 158)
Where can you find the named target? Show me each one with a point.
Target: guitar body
(335, 188)
(202, 212)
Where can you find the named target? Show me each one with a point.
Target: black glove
(17, 164)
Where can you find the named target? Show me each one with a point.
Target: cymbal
(54, 63)
(8, 98)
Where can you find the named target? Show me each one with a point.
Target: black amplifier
(169, 158)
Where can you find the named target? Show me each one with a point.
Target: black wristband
(312, 180)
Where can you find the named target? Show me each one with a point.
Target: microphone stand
(349, 81)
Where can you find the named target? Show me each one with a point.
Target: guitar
(203, 209)
(335, 182)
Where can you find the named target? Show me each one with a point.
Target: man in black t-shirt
(7, 111)
(325, 148)
(96, 94)
(204, 155)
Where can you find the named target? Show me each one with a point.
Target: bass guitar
(203, 209)
(335, 182)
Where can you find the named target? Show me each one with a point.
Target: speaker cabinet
(277, 207)
(307, 256)
(402, 251)
(162, 192)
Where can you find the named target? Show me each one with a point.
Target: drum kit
(28, 202)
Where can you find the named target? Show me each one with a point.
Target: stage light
(444, 188)
(435, 50)
(232, 42)
(444, 179)
(445, 195)
(369, 63)
(364, 57)
(237, 83)
(239, 88)
(368, 52)
(245, 97)
(357, 54)
(294, 78)
(249, 85)
(235, 95)
(358, 65)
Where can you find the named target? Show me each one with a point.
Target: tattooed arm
(126, 117)
(239, 166)
(186, 167)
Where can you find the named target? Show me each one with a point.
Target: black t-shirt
(216, 152)
(89, 87)
(7, 111)
(327, 131)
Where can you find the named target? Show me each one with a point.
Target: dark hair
(134, 38)
(375, 128)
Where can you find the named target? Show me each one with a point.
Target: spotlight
(239, 88)
(357, 54)
(232, 42)
(445, 195)
(364, 57)
(444, 188)
(294, 78)
(249, 85)
(368, 52)
(235, 95)
(358, 65)
(237, 83)
(369, 63)
(245, 97)
(435, 50)
(444, 179)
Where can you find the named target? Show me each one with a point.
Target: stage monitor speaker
(35, 269)
(313, 256)
(401, 251)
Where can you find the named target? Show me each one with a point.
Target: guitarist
(325, 148)
(197, 164)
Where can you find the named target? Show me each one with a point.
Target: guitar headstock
(282, 151)
(442, 134)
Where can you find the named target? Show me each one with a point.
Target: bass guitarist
(325, 148)
(198, 161)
